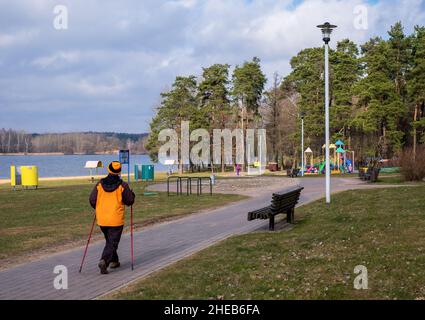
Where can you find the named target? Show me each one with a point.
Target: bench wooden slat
(286, 193)
(262, 213)
(286, 200)
(285, 197)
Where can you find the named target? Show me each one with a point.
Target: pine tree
(416, 84)
(248, 86)
(346, 73)
(213, 94)
(380, 106)
(307, 79)
(272, 118)
(177, 105)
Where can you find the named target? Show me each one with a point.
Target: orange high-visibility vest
(109, 207)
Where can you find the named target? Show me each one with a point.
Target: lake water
(68, 165)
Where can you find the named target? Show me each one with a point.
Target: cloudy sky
(106, 70)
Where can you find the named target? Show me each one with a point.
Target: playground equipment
(349, 160)
(341, 160)
(26, 176)
(315, 166)
(340, 163)
(339, 143)
(308, 161)
(345, 158)
(332, 157)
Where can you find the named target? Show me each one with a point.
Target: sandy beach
(4, 181)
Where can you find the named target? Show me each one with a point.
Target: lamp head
(326, 31)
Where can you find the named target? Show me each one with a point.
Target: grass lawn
(396, 179)
(382, 229)
(336, 175)
(391, 179)
(59, 213)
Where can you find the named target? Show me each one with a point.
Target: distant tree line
(18, 141)
(377, 101)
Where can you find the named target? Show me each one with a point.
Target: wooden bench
(282, 202)
(369, 174)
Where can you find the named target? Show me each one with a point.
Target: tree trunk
(222, 157)
(349, 138)
(415, 115)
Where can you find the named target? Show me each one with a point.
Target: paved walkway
(156, 246)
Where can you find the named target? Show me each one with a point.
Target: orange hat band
(114, 167)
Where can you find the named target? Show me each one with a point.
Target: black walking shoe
(103, 267)
(114, 265)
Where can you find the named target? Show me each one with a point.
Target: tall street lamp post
(326, 32)
(302, 143)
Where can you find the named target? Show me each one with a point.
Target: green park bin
(144, 172)
(147, 172)
(137, 172)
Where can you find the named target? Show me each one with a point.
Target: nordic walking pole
(87, 245)
(131, 238)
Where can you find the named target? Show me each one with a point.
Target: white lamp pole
(302, 144)
(326, 32)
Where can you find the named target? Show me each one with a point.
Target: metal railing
(179, 184)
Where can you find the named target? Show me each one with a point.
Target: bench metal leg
(290, 215)
(271, 223)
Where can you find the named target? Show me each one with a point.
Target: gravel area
(250, 186)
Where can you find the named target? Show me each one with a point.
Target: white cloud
(116, 86)
(57, 60)
(184, 3)
(18, 38)
(125, 53)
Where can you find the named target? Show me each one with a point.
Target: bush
(413, 168)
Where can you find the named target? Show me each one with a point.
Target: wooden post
(271, 223)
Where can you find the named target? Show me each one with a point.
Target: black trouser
(112, 237)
